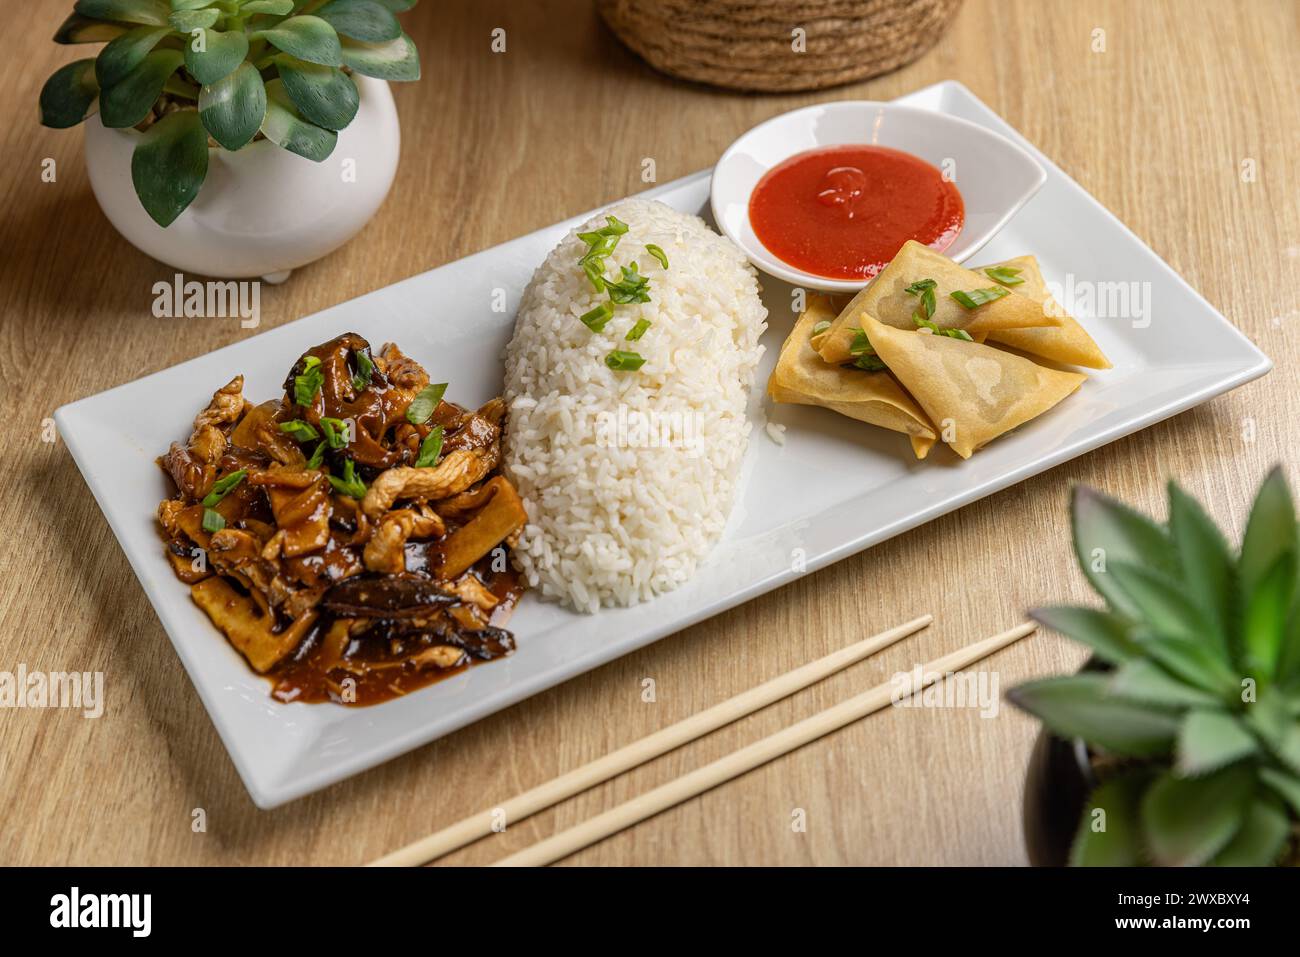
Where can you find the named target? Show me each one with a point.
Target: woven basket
(749, 44)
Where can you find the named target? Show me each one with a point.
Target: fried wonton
(1067, 343)
(886, 300)
(972, 392)
(801, 377)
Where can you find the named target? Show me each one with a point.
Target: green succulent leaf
(1106, 532)
(1143, 680)
(1267, 611)
(1104, 632)
(79, 29)
(1210, 740)
(1261, 838)
(128, 101)
(306, 37)
(285, 126)
(398, 6)
(395, 60)
(1189, 820)
(324, 95)
(125, 53)
(1160, 602)
(1081, 706)
(233, 108)
(152, 12)
(1193, 663)
(187, 21)
(276, 8)
(364, 20)
(169, 165)
(1206, 563)
(69, 94)
(1110, 833)
(222, 52)
(1284, 784)
(178, 5)
(1270, 531)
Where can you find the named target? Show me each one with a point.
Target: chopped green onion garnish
(349, 484)
(222, 486)
(365, 369)
(638, 330)
(868, 363)
(1007, 275)
(318, 456)
(821, 327)
(213, 520)
(861, 345)
(423, 405)
(597, 318)
(631, 288)
(430, 449)
(592, 267)
(925, 289)
(336, 432)
(658, 254)
(621, 361)
(300, 430)
(939, 330)
(616, 226)
(306, 385)
(978, 297)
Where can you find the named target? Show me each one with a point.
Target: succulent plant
(1193, 718)
(188, 70)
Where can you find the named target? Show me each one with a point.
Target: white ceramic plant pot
(262, 211)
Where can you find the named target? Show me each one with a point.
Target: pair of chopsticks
(710, 775)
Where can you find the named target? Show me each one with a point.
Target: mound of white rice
(628, 477)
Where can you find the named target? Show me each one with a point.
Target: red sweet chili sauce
(844, 211)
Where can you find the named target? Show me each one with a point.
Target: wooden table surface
(1157, 127)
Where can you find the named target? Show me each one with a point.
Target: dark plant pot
(1057, 786)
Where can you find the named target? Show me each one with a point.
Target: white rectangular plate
(857, 486)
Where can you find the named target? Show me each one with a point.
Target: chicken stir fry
(350, 538)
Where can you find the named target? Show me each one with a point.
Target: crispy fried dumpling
(1067, 343)
(886, 300)
(972, 392)
(802, 378)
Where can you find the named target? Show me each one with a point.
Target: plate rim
(271, 793)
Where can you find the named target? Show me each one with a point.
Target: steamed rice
(628, 477)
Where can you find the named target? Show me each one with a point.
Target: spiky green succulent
(185, 70)
(1194, 722)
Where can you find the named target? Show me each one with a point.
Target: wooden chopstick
(760, 752)
(615, 763)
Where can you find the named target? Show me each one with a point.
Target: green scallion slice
(308, 383)
(1006, 275)
(594, 268)
(423, 405)
(336, 432)
(978, 297)
(821, 327)
(365, 370)
(598, 318)
(300, 430)
(213, 520)
(318, 456)
(349, 484)
(658, 254)
(638, 330)
(621, 361)
(430, 449)
(222, 487)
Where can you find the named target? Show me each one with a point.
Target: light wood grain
(496, 145)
